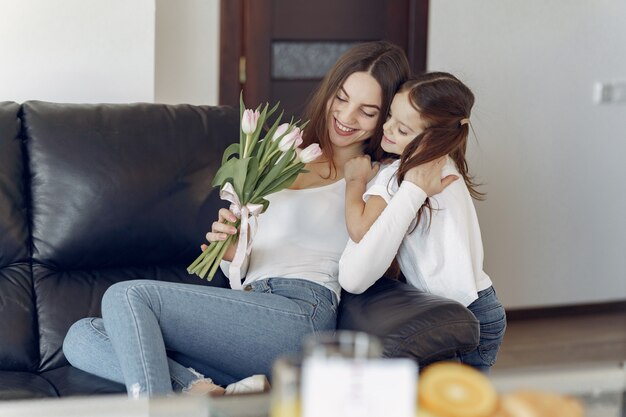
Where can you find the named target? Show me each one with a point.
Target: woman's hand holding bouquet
(263, 165)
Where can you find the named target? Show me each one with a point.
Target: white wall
(553, 222)
(77, 50)
(110, 51)
(187, 51)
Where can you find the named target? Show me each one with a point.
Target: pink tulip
(249, 121)
(298, 141)
(280, 130)
(290, 139)
(310, 153)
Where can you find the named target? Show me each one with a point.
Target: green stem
(199, 259)
(293, 163)
(195, 263)
(245, 148)
(264, 161)
(213, 259)
(220, 255)
(205, 269)
(204, 258)
(213, 254)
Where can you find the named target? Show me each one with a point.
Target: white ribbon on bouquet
(243, 246)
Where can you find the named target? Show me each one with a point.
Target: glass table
(601, 387)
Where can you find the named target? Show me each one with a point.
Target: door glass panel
(305, 60)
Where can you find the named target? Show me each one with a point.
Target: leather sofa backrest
(116, 192)
(19, 347)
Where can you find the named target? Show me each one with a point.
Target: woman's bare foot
(204, 387)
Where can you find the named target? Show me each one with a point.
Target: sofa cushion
(19, 346)
(411, 323)
(22, 385)
(19, 349)
(13, 223)
(104, 195)
(60, 382)
(108, 206)
(68, 380)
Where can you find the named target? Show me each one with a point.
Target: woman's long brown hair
(384, 61)
(443, 103)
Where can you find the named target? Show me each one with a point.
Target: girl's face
(403, 124)
(355, 109)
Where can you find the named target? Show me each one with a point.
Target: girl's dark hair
(443, 103)
(384, 61)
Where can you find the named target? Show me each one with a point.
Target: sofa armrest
(409, 322)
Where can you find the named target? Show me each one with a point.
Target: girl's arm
(359, 214)
(363, 263)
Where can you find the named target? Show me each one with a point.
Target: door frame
(235, 35)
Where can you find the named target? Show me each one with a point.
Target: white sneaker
(249, 385)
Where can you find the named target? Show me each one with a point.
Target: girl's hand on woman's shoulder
(360, 169)
(428, 176)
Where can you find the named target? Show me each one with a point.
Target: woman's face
(355, 109)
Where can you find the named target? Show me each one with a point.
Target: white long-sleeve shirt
(446, 259)
(301, 235)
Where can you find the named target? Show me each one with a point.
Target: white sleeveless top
(301, 235)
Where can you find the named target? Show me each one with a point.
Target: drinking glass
(285, 397)
(343, 344)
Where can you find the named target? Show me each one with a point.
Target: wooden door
(278, 50)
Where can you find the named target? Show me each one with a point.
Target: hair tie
(464, 121)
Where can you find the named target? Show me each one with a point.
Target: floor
(582, 338)
(581, 354)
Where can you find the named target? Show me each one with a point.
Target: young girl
(436, 241)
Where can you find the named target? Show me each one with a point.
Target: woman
(291, 286)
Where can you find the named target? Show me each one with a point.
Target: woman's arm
(222, 231)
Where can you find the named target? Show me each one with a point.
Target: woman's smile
(342, 129)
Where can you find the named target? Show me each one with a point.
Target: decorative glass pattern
(305, 60)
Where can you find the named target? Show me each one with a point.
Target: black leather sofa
(95, 194)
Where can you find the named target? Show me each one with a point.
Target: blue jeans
(225, 334)
(492, 319)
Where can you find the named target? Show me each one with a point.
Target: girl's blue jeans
(492, 318)
(152, 332)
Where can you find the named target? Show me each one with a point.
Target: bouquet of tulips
(263, 165)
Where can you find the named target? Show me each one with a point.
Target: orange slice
(423, 413)
(450, 389)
